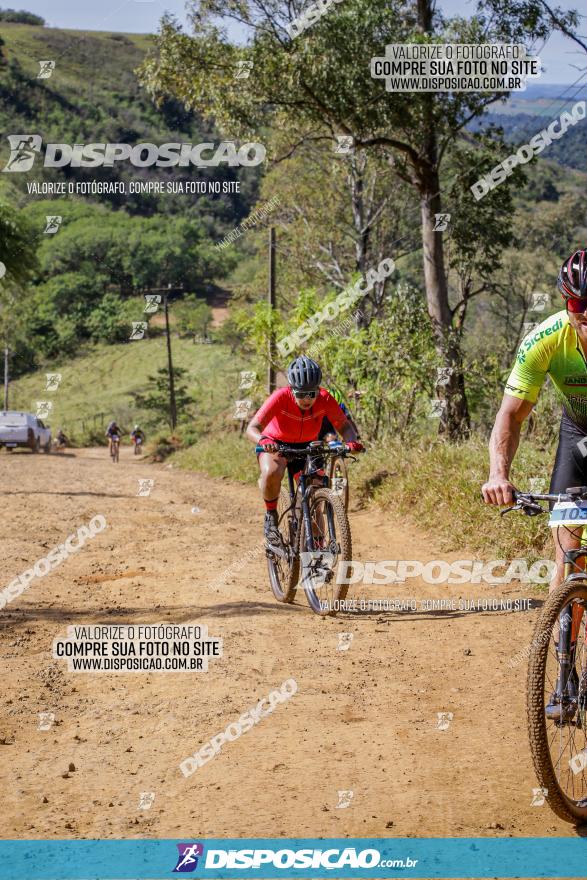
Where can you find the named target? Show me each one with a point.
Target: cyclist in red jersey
(293, 416)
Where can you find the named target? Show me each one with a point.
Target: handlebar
(311, 450)
(528, 501)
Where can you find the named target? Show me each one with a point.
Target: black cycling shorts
(570, 464)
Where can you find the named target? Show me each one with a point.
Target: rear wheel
(284, 572)
(331, 542)
(47, 448)
(559, 748)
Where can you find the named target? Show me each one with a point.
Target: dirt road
(364, 720)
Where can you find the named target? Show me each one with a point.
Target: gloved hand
(355, 446)
(335, 444)
(269, 444)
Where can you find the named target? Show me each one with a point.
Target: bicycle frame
(300, 493)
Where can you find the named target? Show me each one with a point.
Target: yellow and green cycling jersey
(552, 349)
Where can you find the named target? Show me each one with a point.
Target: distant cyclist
(327, 431)
(61, 440)
(558, 348)
(112, 431)
(137, 434)
(293, 416)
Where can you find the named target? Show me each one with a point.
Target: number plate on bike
(568, 513)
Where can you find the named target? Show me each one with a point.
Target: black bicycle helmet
(572, 278)
(304, 374)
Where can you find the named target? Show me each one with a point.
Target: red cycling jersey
(282, 419)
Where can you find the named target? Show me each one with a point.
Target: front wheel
(330, 545)
(559, 747)
(114, 451)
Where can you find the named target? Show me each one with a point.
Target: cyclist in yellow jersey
(557, 348)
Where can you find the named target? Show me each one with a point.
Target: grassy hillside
(106, 380)
(93, 96)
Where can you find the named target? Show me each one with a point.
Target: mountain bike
(137, 443)
(315, 535)
(115, 447)
(557, 668)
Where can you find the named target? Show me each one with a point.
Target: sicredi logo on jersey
(24, 149)
(531, 340)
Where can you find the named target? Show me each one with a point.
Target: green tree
(156, 396)
(193, 317)
(319, 86)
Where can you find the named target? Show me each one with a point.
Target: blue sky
(142, 16)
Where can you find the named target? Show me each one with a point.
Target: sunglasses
(577, 306)
(305, 395)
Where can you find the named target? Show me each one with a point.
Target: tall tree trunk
(454, 419)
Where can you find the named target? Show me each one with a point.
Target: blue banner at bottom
(357, 857)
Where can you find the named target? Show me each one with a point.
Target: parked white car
(24, 429)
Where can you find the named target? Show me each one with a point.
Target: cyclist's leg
(570, 469)
(272, 467)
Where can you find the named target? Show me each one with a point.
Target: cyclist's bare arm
(254, 432)
(503, 445)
